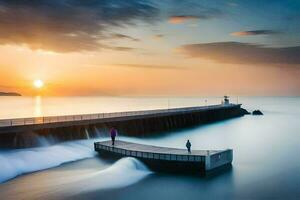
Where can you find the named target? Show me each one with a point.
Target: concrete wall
(218, 159)
(139, 126)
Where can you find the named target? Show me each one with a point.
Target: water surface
(265, 165)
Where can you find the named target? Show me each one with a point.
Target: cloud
(254, 32)
(158, 36)
(122, 36)
(144, 66)
(68, 25)
(242, 53)
(195, 11)
(179, 19)
(121, 48)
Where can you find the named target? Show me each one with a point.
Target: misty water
(265, 165)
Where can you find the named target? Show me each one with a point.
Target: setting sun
(38, 83)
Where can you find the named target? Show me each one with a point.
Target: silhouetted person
(113, 134)
(188, 146)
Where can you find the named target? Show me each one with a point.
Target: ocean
(265, 165)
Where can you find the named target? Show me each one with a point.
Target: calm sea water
(266, 163)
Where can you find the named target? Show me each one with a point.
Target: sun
(38, 83)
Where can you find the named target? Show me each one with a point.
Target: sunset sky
(150, 47)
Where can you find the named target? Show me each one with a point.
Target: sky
(150, 47)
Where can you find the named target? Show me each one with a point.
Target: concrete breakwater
(20, 133)
(168, 159)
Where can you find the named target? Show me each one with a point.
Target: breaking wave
(21, 161)
(122, 173)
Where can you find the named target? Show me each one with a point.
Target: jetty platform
(25, 132)
(168, 159)
(37, 123)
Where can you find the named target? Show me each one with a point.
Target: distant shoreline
(9, 94)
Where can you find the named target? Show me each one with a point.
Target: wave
(122, 173)
(21, 161)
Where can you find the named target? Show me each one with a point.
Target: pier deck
(168, 159)
(37, 123)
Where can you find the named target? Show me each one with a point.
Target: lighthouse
(226, 100)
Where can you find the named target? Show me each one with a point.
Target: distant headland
(9, 94)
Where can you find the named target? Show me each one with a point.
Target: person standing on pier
(188, 146)
(113, 134)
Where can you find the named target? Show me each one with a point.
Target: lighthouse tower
(226, 100)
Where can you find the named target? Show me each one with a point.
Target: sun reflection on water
(38, 106)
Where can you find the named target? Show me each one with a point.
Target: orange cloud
(202, 13)
(144, 66)
(179, 19)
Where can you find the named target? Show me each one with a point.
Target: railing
(150, 155)
(70, 118)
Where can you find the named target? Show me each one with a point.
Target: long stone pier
(168, 159)
(21, 132)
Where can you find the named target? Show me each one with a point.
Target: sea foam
(122, 173)
(21, 161)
